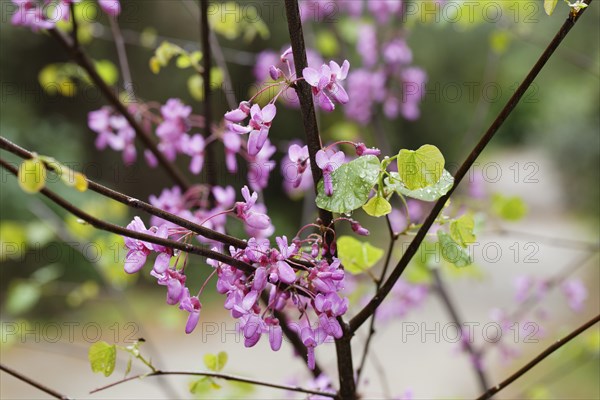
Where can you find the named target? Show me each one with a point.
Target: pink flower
(138, 250)
(111, 7)
(363, 150)
(247, 211)
(258, 126)
(193, 306)
(575, 292)
(300, 157)
(325, 83)
(194, 147)
(329, 160)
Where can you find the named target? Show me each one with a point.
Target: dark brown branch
(411, 250)
(84, 62)
(135, 203)
(555, 346)
(33, 383)
(218, 376)
(106, 226)
(313, 141)
(451, 309)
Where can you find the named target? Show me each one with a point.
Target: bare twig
(451, 309)
(555, 346)
(122, 56)
(219, 376)
(33, 383)
(411, 250)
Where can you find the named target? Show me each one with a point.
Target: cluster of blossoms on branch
(300, 275)
(46, 14)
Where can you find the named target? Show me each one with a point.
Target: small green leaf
(429, 193)
(32, 175)
(461, 230)
(352, 183)
(420, 168)
(215, 362)
(452, 251)
(509, 208)
(327, 44)
(377, 207)
(107, 71)
(549, 6)
(195, 86)
(103, 357)
(357, 256)
(200, 386)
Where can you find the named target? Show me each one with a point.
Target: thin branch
(106, 226)
(86, 63)
(210, 163)
(135, 203)
(33, 383)
(451, 309)
(313, 140)
(219, 376)
(555, 346)
(533, 299)
(393, 239)
(411, 250)
(122, 56)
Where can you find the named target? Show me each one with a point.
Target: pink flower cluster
(288, 285)
(38, 15)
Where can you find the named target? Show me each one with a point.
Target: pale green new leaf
(32, 175)
(461, 230)
(377, 207)
(549, 6)
(352, 183)
(215, 362)
(429, 193)
(103, 357)
(452, 251)
(420, 168)
(357, 256)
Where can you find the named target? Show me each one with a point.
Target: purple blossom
(111, 7)
(175, 283)
(326, 83)
(363, 150)
(138, 250)
(397, 52)
(193, 306)
(258, 126)
(29, 14)
(233, 144)
(414, 80)
(575, 292)
(366, 44)
(329, 160)
(247, 211)
(383, 10)
(193, 146)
